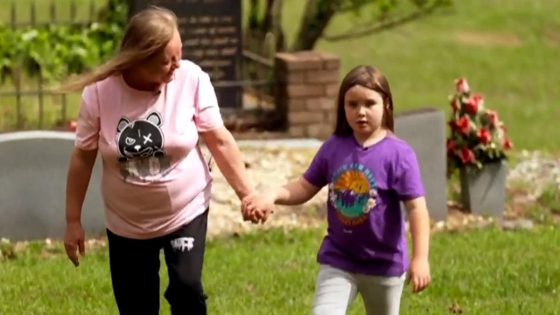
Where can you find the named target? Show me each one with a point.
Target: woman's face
(160, 68)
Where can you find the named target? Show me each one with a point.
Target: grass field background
(482, 272)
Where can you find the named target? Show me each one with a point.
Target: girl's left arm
(419, 220)
(223, 148)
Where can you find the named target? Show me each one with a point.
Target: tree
(260, 28)
(318, 14)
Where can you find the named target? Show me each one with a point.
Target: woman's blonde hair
(148, 32)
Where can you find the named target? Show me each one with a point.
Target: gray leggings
(336, 289)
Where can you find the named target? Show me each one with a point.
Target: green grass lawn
(479, 272)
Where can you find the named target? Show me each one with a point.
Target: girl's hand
(419, 274)
(257, 207)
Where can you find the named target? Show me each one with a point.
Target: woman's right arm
(79, 173)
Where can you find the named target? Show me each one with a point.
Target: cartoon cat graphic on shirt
(140, 143)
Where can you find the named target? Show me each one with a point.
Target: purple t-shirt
(366, 229)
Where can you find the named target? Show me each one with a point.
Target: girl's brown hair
(371, 78)
(148, 32)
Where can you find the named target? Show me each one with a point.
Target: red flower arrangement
(477, 135)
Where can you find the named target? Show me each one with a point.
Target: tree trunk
(276, 24)
(268, 15)
(254, 15)
(316, 17)
(266, 30)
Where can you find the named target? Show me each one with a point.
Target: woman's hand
(74, 242)
(79, 173)
(257, 207)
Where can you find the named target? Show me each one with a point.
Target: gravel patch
(534, 171)
(268, 166)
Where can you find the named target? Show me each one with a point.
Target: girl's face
(364, 110)
(160, 69)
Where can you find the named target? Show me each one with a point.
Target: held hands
(257, 207)
(419, 274)
(74, 242)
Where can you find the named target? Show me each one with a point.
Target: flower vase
(483, 191)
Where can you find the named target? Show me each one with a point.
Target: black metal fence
(24, 13)
(26, 102)
(258, 83)
(29, 103)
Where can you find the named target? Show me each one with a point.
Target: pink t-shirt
(155, 178)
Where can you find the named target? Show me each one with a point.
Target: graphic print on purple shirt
(140, 145)
(353, 193)
(366, 228)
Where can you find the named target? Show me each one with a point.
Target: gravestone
(211, 35)
(424, 130)
(33, 168)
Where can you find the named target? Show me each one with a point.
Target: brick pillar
(306, 92)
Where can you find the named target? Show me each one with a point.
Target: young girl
(369, 171)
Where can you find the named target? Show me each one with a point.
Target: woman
(143, 111)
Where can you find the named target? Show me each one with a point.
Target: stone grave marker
(424, 130)
(33, 168)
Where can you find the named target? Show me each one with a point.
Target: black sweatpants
(135, 270)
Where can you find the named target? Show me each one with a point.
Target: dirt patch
(552, 36)
(489, 39)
